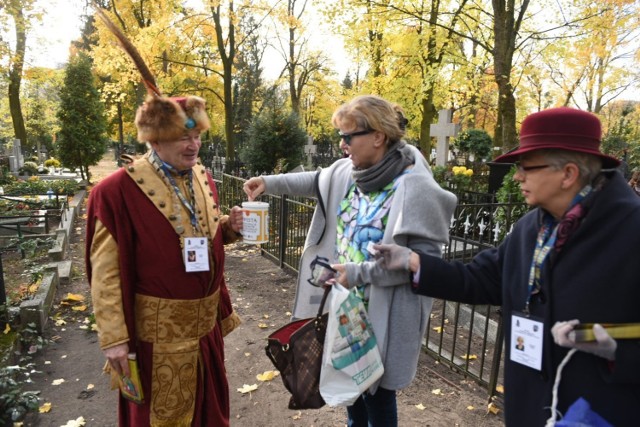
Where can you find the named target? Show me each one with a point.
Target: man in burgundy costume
(148, 300)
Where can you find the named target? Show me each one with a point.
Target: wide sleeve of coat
(478, 282)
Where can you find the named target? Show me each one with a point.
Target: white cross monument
(310, 150)
(443, 130)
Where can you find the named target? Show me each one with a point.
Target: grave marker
(310, 150)
(443, 130)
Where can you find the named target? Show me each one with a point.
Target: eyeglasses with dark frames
(524, 169)
(346, 137)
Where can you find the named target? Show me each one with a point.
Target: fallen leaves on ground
(78, 422)
(436, 391)
(492, 408)
(46, 407)
(57, 382)
(469, 356)
(73, 298)
(421, 407)
(7, 329)
(267, 375)
(246, 388)
(438, 329)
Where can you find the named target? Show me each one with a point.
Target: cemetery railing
(467, 338)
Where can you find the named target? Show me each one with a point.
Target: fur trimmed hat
(560, 128)
(162, 119)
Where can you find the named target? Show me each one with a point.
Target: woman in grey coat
(383, 192)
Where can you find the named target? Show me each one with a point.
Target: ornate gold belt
(174, 327)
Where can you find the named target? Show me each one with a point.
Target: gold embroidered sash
(174, 327)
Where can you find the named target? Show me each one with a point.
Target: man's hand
(235, 219)
(604, 347)
(393, 257)
(117, 357)
(254, 187)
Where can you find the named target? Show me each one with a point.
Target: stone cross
(443, 130)
(310, 150)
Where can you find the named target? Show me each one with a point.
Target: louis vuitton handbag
(296, 351)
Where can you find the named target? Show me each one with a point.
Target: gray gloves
(604, 346)
(392, 257)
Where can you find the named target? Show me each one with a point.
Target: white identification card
(196, 254)
(526, 341)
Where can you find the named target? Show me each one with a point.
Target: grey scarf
(382, 173)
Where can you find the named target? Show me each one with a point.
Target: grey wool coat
(419, 218)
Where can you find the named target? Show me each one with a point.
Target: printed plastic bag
(351, 361)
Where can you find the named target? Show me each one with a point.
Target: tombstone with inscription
(443, 130)
(16, 160)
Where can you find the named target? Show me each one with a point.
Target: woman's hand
(604, 346)
(341, 276)
(254, 187)
(395, 257)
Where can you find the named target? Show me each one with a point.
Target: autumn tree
(589, 62)
(82, 140)
(41, 97)
(19, 11)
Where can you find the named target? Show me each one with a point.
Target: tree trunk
(506, 26)
(15, 76)
(227, 59)
(428, 114)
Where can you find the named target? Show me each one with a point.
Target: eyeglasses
(525, 169)
(346, 137)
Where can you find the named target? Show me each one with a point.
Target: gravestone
(443, 130)
(16, 160)
(310, 150)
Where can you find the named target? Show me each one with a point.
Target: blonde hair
(370, 112)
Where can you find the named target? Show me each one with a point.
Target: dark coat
(595, 278)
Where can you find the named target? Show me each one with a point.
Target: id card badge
(526, 340)
(196, 254)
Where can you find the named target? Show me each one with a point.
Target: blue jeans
(374, 410)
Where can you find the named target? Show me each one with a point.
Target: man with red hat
(563, 264)
(155, 263)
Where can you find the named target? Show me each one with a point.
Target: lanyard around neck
(169, 171)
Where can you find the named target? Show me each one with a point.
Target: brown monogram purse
(296, 351)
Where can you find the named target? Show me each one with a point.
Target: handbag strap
(327, 289)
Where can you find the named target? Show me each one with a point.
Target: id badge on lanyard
(526, 340)
(196, 254)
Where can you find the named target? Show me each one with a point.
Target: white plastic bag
(351, 361)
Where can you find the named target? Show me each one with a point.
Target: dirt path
(262, 295)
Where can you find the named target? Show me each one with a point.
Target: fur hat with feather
(160, 118)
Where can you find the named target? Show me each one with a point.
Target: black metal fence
(467, 338)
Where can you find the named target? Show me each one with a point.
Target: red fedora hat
(562, 129)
